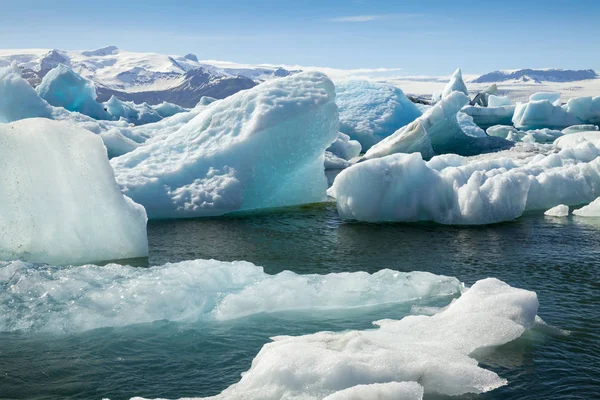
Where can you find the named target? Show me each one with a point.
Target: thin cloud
(373, 17)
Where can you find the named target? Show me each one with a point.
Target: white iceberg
(138, 114)
(260, 148)
(370, 111)
(591, 210)
(498, 101)
(485, 117)
(456, 84)
(450, 189)
(532, 136)
(60, 202)
(435, 351)
(18, 100)
(380, 391)
(560, 210)
(166, 109)
(341, 151)
(586, 109)
(439, 130)
(62, 87)
(543, 111)
(580, 128)
(74, 299)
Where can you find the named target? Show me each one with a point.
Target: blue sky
(421, 37)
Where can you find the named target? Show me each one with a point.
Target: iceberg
(456, 84)
(439, 131)
(60, 202)
(371, 111)
(137, 114)
(434, 351)
(574, 139)
(166, 109)
(552, 97)
(580, 128)
(380, 391)
(498, 101)
(341, 151)
(532, 136)
(485, 117)
(591, 210)
(450, 189)
(18, 100)
(260, 148)
(46, 298)
(560, 210)
(586, 109)
(543, 110)
(62, 87)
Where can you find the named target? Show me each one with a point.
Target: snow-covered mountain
(537, 75)
(140, 77)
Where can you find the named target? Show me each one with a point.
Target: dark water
(557, 258)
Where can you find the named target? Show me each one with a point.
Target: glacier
(260, 148)
(434, 351)
(441, 129)
(371, 111)
(450, 189)
(60, 202)
(66, 300)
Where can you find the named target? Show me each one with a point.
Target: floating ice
(371, 111)
(137, 114)
(166, 109)
(18, 100)
(61, 87)
(580, 128)
(262, 147)
(498, 101)
(439, 131)
(60, 202)
(538, 114)
(450, 189)
(586, 109)
(573, 139)
(532, 136)
(560, 210)
(456, 84)
(552, 97)
(380, 391)
(73, 299)
(431, 350)
(591, 210)
(341, 151)
(485, 117)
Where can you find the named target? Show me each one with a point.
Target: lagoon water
(559, 258)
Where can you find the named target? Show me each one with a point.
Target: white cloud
(372, 17)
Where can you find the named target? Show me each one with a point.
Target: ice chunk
(60, 202)
(74, 299)
(591, 210)
(380, 391)
(468, 126)
(431, 350)
(455, 190)
(482, 98)
(580, 128)
(137, 114)
(438, 131)
(560, 210)
(532, 136)
(341, 151)
(485, 117)
(18, 100)
(498, 101)
(259, 148)
(61, 87)
(552, 97)
(371, 111)
(573, 139)
(586, 109)
(456, 84)
(166, 109)
(116, 143)
(542, 114)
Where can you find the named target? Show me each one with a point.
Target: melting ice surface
(489, 188)
(73, 299)
(60, 202)
(433, 352)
